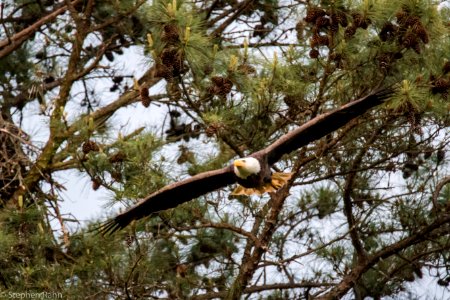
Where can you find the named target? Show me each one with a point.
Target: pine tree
(366, 214)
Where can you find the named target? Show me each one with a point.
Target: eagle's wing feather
(171, 196)
(323, 124)
(177, 193)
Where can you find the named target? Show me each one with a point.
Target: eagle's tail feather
(278, 180)
(240, 190)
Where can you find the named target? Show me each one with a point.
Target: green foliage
(16, 67)
(121, 166)
(191, 42)
(212, 244)
(325, 200)
(25, 257)
(444, 196)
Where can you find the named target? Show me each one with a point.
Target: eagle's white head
(245, 167)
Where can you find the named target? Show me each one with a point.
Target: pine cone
(174, 113)
(117, 157)
(214, 90)
(145, 98)
(313, 13)
(290, 101)
(349, 32)
(335, 56)
(388, 31)
(172, 58)
(334, 27)
(163, 72)
(414, 119)
(324, 40)
(314, 42)
(207, 69)
(417, 48)
(412, 21)
(114, 88)
(384, 60)
(358, 19)
(440, 85)
(89, 146)
(397, 55)
(109, 55)
(440, 155)
(223, 84)
(300, 27)
(246, 69)
(225, 89)
(442, 282)
(170, 34)
(217, 80)
(322, 22)
(409, 40)
(402, 16)
(339, 17)
(314, 53)
(427, 152)
(446, 68)
(211, 130)
(411, 166)
(366, 23)
(117, 176)
(96, 183)
(49, 79)
(117, 79)
(168, 55)
(421, 32)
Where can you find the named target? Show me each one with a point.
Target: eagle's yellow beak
(239, 163)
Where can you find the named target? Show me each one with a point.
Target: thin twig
(2, 6)
(436, 192)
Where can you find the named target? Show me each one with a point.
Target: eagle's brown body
(261, 181)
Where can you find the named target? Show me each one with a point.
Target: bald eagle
(252, 173)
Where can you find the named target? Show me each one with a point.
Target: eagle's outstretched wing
(171, 196)
(177, 193)
(323, 124)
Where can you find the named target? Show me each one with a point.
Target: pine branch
(7, 46)
(436, 228)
